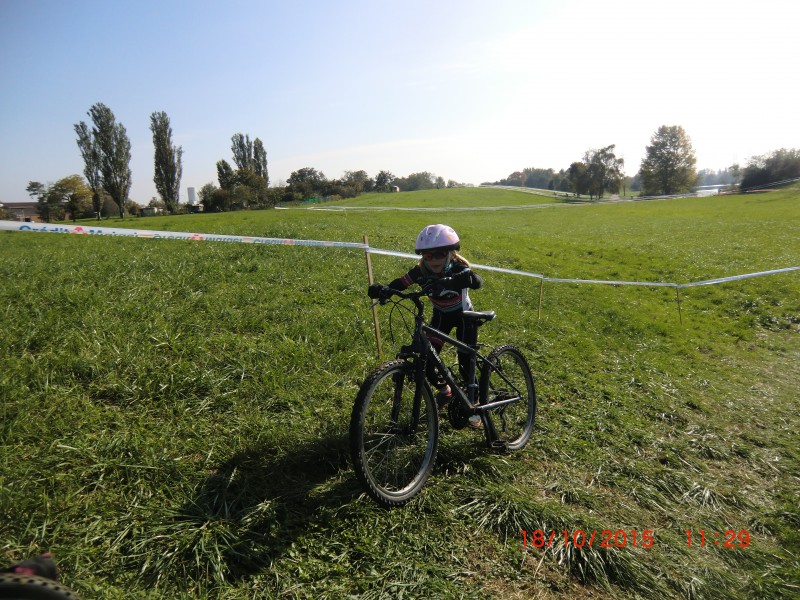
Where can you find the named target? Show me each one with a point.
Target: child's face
(436, 260)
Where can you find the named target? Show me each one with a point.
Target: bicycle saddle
(479, 316)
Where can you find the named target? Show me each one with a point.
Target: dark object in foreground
(33, 579)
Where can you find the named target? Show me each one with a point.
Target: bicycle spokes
(393, 432)
(507, 383)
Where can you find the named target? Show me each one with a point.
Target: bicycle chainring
(457, 414)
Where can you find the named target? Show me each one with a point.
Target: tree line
(105, 185)
(667, 168)
(104, 188)
(234, 192)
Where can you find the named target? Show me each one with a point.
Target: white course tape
(206, 237)
(169, 235)
(596, 281)
(605, 282)
(737, 277)
(485, 267)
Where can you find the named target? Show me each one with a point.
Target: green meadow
(174, 414)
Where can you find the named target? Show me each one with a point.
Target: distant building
(22, 211)
(194, 205)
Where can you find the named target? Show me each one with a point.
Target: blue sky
(468, 90)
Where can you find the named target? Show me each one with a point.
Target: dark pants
(465, 332)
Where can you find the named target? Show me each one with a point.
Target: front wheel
(508, 377)
(392, 443)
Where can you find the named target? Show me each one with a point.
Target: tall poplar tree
(91, 162)
(251, 178)
(110, 140)
(167, 159)
(242, 149)
(260, 160)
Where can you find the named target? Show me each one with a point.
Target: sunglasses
(435, 254)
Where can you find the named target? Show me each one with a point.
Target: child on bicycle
(442, 265)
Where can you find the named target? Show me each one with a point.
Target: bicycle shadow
(249, 511)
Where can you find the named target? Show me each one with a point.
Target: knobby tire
(510, 376)
(16, 586)
(391, 456)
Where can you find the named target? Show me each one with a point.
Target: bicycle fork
(397, 398)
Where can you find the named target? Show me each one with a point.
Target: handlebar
(415, 297)
(412, 295)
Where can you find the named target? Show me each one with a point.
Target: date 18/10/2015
(606, 538)
(620, 538)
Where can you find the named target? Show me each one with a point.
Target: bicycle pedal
(500, 446)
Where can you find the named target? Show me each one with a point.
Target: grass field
(174, 414)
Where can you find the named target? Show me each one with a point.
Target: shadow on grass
(248, 512)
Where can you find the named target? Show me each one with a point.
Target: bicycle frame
(423, 351)
(469, 398)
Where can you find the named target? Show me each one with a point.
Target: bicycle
(394, 425)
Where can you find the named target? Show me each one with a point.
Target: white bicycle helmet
(437, 237)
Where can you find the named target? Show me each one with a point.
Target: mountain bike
(394, 426)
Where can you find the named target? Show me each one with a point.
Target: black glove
(375, 291)
(442, 287)
(380, 292)
(465, 279)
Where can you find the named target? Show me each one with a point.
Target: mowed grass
(451, 199)
(174, 414)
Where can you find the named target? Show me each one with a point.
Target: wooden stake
(680, 315)
(375, 323)
(541, 287)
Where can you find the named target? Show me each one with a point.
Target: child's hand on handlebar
(440, 287)
(379, 292)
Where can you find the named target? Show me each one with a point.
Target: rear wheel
(509, 377)
(393, 450)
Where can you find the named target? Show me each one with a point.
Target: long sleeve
(401, 283)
